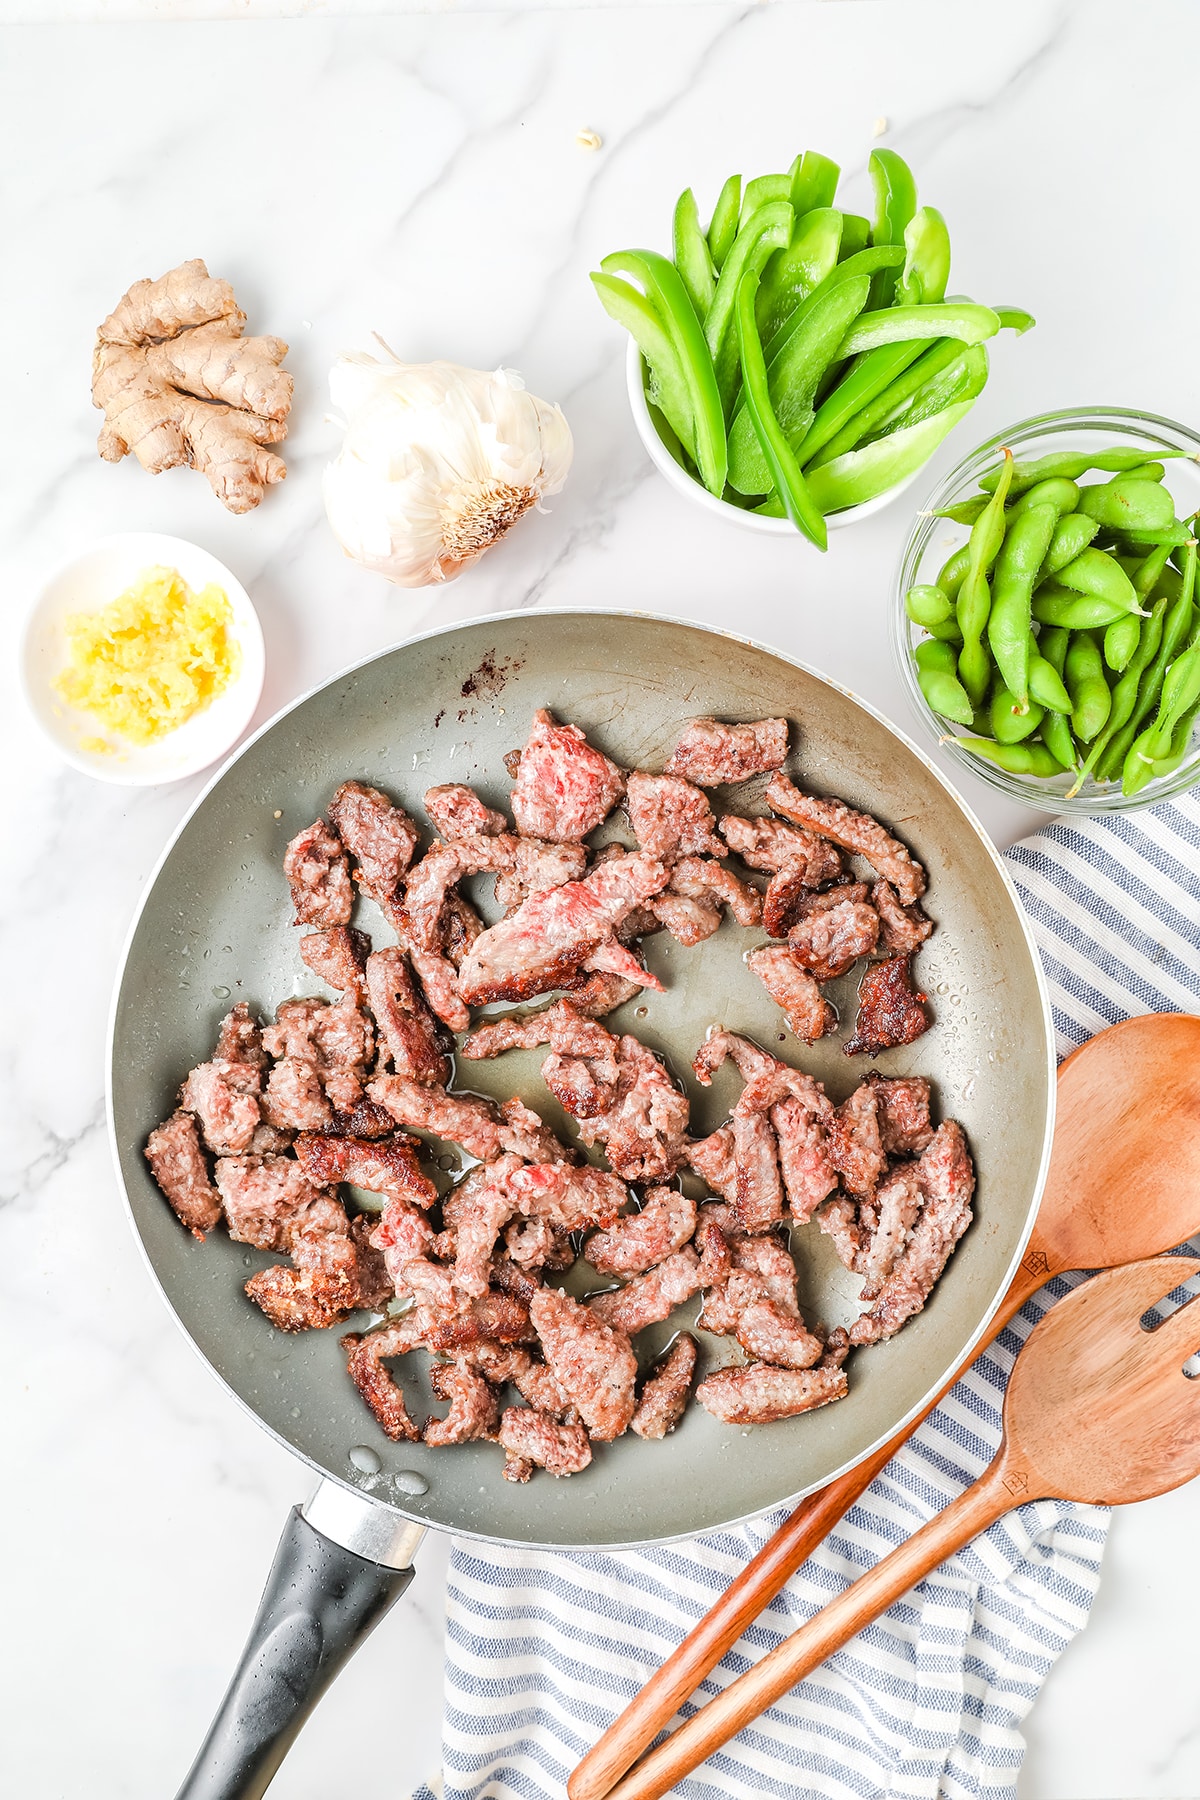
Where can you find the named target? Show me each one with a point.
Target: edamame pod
(1072, 535)
(1091, 700)
(1047, 656)
(1016, 759)
(1128, 504)
(1025, 544)
(1072, 463)
(1010, 721)
(1057, 491)
(953, 571)
(1095, 572)
(1121, 640)
(1078, 612)
(974, 597)
(1177, 627)
(928, 605)
(1125, 692)
(938, 682)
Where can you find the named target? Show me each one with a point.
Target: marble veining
(418, 175)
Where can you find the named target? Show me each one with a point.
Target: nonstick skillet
(214, 927)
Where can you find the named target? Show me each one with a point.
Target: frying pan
(214, 927)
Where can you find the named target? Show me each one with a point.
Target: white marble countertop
(419, 176)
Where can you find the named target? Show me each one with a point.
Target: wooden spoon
(1124, 1183)
(1098, 1409)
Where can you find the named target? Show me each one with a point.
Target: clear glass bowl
(932, 540)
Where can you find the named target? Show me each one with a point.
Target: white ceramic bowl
(695, 491)
(87, 583)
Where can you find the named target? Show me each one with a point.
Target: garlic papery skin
(436, 464)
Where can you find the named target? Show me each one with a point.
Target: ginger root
(179, 385)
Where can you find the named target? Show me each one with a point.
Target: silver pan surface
(214, 927)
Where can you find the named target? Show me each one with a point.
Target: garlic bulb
(437, 462)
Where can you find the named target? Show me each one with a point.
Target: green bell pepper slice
(963, 319)
(722, 227)
(692, 257)
(780, 460)
(769, 228)
(863, 474)
(665, 384)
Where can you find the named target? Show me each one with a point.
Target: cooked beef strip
(641, 1121)
(721, 1045)
(339, 956)
(503, 1363)
(335, 1038)
(474, 1405)
(947, 1181)
(539, 866)
(593, 1364)
(534, 1437)
(761, 1268)
(224, 1098)
(495, 1318)
(458, 812)
(439, 982)
(568, 1196)
(460, 925)
(840, 1221)
(765, 1331)
(439, 869)
(670, 817)
(551, 934)
(716, 1260)
(700, 878)
(854, 831)
(379, 1165)
(805, 1161)
(890, 1011)
(599, 995)
(784, 899)
(319, 877)
(379, 835)
(405, 1023)
(480, 1208)
(759, 1393)
(302, 1299)
(564, 787)
(364, 1119)
(272, 1140)
(463, 1118)
(527, 1135)
(180, 1168)
(711, 753)
(793, 989)
(649, 1298)
(536, 1244)
(772, 846)
(404, 1238)
(855, 1143)
(295, 1099)
(611, 957)
(240, 1036)
(833, 930)
(639, 1240)
(688, 921)
(712, 1158)
(895, 1205)
(364, 1362)
(901, 928)
(665, 1391)
(262, 1196)
(759, 1202)
(903, 1103)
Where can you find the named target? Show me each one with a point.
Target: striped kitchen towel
(544, 1649)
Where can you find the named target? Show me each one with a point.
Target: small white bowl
(693, 490)
(91, 581)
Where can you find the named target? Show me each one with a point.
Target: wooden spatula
(1124, 1183)
(1098, 1409)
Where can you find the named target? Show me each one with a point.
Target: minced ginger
(153, 658)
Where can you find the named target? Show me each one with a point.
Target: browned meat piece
(564, 787)
(805, 1161)
(833, 930)
(782, 903)
(855, 1143)
(460, 926)
(759, 1194)
(494, 1318)
(688, 921)
(712, 1157)
(375, 1285)
(593, 1365)
(611, 957)
(339, 956)
(302, 1299)
(528, 1136)
(584, 1066)
(761, 1270)
(533, 1381)
(335, 1038)
(765, 1331)
(599, 995)
(700, 878)
(711, 753)
(537, 868)
(405, 1240)
(721, 1045)
(665, 1391)
(240, 1037)
(890, 1011)
(552, 934)
(295, 1097)
(895, 1205)
(439, 980)
(364, 1119)
(437, 872)
(903, 1103)
(478, 1211)
(474, 1407)
(716, 1260)
(670, 817)
(262, 1196)
(854, 831)
(793, 989)
(378, 1165)
(534, 1437)
(639, 1240)
(839, 1220)
(902, 928)
(536, 1244)
(569, 1196)
(271, 1140)
(644, 1121)
(180, 1168)
(224, 1098)
(462, 1118)
(758, 1393)
(405, 1023)
(650, 1297)
(947, 1181)
(364, 1361)
(379, 836)
(319, 877)
(458, 812)
(772, 846)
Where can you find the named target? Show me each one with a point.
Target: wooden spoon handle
(972, 1512)
(723, 1624)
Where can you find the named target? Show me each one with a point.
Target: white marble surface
(419, 176)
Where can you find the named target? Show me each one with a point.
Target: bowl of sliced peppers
(1047, 612)
(793, 365)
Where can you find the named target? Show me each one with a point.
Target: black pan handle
(322, 1599)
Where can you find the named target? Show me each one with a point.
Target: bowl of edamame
(1047, 611)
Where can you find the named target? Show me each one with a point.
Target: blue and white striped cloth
(545, 1649)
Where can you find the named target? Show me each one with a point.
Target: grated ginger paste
(153, 658)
